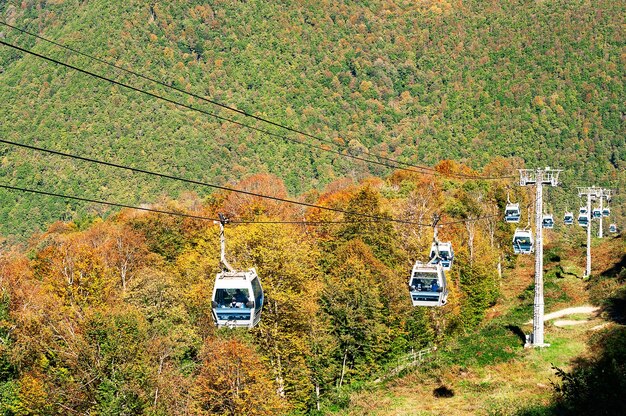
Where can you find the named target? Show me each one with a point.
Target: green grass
(492, 344)
(560, 351)
(500, 374)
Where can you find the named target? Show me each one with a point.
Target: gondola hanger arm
(223, 220)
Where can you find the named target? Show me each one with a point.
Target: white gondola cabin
(446, 254)
(612, 228)
(512, 213)
(547, 221)
(583, 220)
(606, 212)
(583, 217)
(237, 299)
(522, 241)
(427, 285)
(568, 219)
(597, 213)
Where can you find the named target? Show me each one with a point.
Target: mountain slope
(488, 372)
(418, 81)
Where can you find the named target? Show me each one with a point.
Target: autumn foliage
(115, 317)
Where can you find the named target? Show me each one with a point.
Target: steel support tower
(593, 193)
(538, 177)
(605, 194)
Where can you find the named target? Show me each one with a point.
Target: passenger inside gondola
(231, 298)
(425, 285)
(418, 284)
(240, 296)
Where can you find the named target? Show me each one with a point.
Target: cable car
(583, 220)
(597, 213)
(568, 219)
(512, 213)
(445, 257)
(427, 285)
(583, 217)
(606, 212)
(547, 221)
(237, 298)
(612, 228)
(522, 241)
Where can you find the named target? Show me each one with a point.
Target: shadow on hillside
(517, 331)
(615, 307)
(595, 385)
(617, 269)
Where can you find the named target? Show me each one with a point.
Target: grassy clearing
(489, 372)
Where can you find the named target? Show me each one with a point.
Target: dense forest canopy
(115, 316)
(417, 81)
(109, 312)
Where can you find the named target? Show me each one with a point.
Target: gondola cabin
(606, 212)
(583, 220)
(446, 255)
(512, 213)
(427, 285)
(522, 242)
(547, 221)
(612, 228)
(568, 219)
(237, 299)
(597, 213)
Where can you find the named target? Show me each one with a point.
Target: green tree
(380, 236)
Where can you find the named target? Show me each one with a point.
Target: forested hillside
(108, 312)
(115, 318)
(487, 372)
(417, 81)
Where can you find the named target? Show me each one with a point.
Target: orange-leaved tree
(233, 381)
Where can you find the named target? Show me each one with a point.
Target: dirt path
(568, 322)
(585, 309)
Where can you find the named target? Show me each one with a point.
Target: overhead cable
(412, 168)
(159, 211)
(222, 105)
(195, 182)
(96, 201)
(208, 113)
(205, 218)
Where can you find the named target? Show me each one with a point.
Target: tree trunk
(317, 395)
(470, 226)
(156, 391)
(280, 381)
(343, 367)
